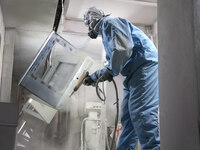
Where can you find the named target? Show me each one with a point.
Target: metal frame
(39, 110)
(40, 86)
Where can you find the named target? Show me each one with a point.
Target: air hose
(58, 15)
(55, 28)
(116, 103)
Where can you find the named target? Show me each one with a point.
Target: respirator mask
(93, 28)
(92, 34)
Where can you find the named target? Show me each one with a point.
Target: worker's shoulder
(114, 21)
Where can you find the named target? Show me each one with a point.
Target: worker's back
(142, 48)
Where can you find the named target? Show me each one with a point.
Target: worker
(132, 54)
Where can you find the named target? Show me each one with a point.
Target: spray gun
(80, 81)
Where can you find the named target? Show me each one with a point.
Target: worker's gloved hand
(106, 76)
(88, 81)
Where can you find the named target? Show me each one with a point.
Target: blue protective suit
(130, 52)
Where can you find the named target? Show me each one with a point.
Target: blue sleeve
(118, 43)
(97, 74)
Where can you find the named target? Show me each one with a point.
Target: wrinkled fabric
(126, 46)
(130, 52)
(139, 109)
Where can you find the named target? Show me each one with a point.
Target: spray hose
(58, 15)
(117, 105)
